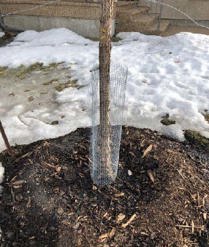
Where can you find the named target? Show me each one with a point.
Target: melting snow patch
(167, 75)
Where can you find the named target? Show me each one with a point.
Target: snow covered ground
(1, 34)
(166, 75)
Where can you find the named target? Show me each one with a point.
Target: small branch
(9, 149)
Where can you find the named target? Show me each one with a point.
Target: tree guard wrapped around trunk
(104, 166)
(107, 133)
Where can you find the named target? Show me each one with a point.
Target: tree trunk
(104, 74)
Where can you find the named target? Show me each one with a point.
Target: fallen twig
(9, 149)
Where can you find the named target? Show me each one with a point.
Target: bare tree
(104, 75)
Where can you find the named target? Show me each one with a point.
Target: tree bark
(104, 75)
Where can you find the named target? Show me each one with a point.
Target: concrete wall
(197, 9)
(81, 17)
(86, 28)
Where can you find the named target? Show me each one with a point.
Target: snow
(1, 34)
(1, 175)
(166, 75)
(1, 172)
(51, 37)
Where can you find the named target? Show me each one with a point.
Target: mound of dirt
(160, 198)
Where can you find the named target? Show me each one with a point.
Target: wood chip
(103, 237)
(130, 173)
(58, 169)
(200, 228)
(147, 150)
(49, 165)
(107, 216)
(129, 221)
(132, 154)
(17, 184)
(120, 217)
(119, 194)
(192, 225)
(94, 187)
(28, 205)
(198, 199)
(112, 233)
(107, 235)
(151, 176)
(60, 211)
(203, 200)
(205, 216)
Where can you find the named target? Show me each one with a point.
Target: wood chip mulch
(160, 198)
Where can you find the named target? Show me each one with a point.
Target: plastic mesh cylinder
(101, 173)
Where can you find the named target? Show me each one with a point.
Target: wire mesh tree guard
(104, 173)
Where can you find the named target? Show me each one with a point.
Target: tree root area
(160, 197)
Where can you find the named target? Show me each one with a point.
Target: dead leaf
(147, 150)
(129, 221)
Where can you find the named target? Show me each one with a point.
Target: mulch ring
(160, 198)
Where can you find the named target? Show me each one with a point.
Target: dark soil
(7, 38)
(160, 198)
